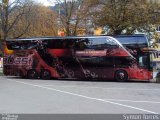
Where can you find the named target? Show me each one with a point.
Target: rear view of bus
(95, 57)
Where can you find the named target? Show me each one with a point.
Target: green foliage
(23, 18)
(126, 16)
(155, 38)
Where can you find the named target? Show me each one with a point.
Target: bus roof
(56, 37)
(135, 39)
(133, 35)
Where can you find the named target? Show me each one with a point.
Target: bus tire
(45, 74)
(32, 74)
(121, 76)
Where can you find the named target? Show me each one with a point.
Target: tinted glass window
(143, 61)
(77, 43)
(97, 61)
(68, 43)
(131, 39)
(21, 45)
(122, 62)
(69, 61)
(56, 43)
(101, 43)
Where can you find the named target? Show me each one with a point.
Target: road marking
(133, 101)
(83, 96)
(67, 86)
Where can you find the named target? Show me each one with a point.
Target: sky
(46, 2)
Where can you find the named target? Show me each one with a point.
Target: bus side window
(64, 44)
(122, 62)
(108, 62)
(71, 44)
(15, 45)
(82, 44)
(143, 61)
(9, 45)
(140, 61)
(96, 43)
(54, 44)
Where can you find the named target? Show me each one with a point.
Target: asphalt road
(77, 97)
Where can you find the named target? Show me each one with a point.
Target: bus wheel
(121, 76)
(45, 74)
(32, 74)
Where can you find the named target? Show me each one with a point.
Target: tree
(125, 16)
(10, 15)
(72, 13)
(26, 19)
(43, 22)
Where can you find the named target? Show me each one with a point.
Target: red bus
(95, 57)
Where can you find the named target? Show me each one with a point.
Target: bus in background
(95, 57)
